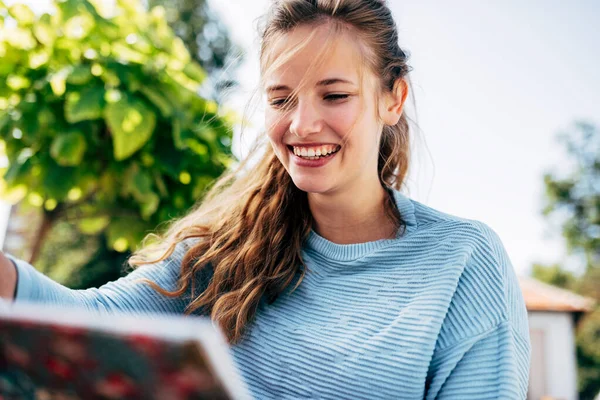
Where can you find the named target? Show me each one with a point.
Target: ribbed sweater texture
(435, 313)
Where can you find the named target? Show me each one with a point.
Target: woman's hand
(8, 278)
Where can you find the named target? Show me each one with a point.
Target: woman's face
(327, 135)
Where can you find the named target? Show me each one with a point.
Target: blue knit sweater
(435, 313)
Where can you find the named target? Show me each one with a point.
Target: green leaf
(127, 54)
(78, 27)
(69, 9)
(179, 51)
(130, 6)
(160, 184)
(68, 149)
(158, 100)
(7, 65)
(84, 105)
(58, 84)
(5, 124)
(57, 180)
(18, 171)
(43, 30)
(80, 75)
(20, 39)
(139, 183)
(108, 187)
(22, 14)
(17, 82)
(194, 71)
(206, 132)
(38, 58)
(186, 139)
(201, 185)
(131, 123)
(178, 137)
(183, 80)
(126, 232)
(29, 122)
(149, 206)
(168, 159)
(45, 117)
(93, 225)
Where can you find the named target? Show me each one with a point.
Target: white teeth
(314, 153)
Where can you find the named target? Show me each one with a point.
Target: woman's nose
(306, 119)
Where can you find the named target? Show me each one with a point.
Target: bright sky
(493, 87)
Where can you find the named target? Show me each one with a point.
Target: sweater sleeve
(493, 365)
(127, 294)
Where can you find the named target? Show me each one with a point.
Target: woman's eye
(279, 102)
(288, 101)
(335, 97)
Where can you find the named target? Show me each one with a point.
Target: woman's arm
(127, 294)
(8, 278)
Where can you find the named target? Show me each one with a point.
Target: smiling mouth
(314, 153)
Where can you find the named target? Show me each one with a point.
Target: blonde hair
(253, 223)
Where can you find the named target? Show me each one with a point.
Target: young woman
(329, 282)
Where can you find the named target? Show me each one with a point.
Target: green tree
(103, 126)
(207, 39)
(554, 275)
(577, 195)
(575, 198)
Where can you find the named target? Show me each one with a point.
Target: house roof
(540, 296)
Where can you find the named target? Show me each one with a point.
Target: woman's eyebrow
(324, 82)
(331, 81)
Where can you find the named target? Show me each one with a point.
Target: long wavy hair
(253, 222)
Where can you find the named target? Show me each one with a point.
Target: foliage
(101, 120)
(207, 40)
(588, 327)
(588, 356)
(203, 34)
(576, 198)
(554, 275)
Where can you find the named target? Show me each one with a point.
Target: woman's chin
(311, 185)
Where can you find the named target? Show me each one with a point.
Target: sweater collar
(349, 252)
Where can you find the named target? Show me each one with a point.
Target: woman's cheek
(276, 132)
(344, 118)
(273, 127)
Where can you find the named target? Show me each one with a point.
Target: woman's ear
(393, 103)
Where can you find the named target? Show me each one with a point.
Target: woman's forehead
(312, 55)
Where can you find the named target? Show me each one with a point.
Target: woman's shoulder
(455, 228)
(474, 240)
(487, 291)
(482, 247)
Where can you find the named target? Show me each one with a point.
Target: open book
(49, 352)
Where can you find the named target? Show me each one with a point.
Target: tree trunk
(46, 225)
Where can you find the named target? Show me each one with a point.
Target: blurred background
(115, 117)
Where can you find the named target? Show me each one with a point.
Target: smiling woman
(328, 281)
(323, 94)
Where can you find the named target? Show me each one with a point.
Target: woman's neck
(352, 217)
